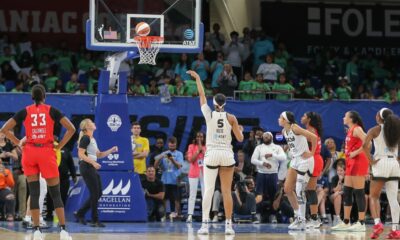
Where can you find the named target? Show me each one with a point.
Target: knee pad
(360, 199)
(347, 196)
(311, 196)
(56, 196)
(34, 190)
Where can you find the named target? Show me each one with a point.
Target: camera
(169, 155)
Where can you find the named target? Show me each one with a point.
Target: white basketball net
(148, 46)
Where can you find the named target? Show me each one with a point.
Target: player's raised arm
(200, 88)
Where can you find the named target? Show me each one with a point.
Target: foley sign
(344, 28)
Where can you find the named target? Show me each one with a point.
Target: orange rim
(146, 41)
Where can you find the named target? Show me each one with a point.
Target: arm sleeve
(55, 114)
(84, 143)
(206, 110)
(255, 158)
(20, 116)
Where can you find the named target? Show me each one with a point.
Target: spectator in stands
(182, 67)
(337, 190)
(85, 63)
(195, 157)
(44, 63)
(322, 194)
(343, 92)
(243, 165)
(234, 52)
(244, 201)
(261, 87)
(280, 58)
(262, 47)
(152, 88)
(51, 79)
(216, 38)
(59, 87)
(7, 55)
(156, 149)
(137, 89)
(8, 152)
(201, 66)
(82, 89)
(2, 87)
(208, 90)
(284, 88)
(180, 87)
(25, 62)
(247, 85)
(253, 141)
(352, 70)
(327, 92)
(7, 72)
(19, 87)
(140, 150)
(154, 192)
(282, 205)
(227, 81)
(170, 162)
(307, 90)
(191, 88)
(72, 85)
(270, 70)
(380, 72)
(335, 155)
(267, 157)
(20, 187)
(166, 71)
(217, 67)
(7, 198)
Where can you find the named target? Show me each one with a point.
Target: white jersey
(381, 150)
(218, 129)
(297, 143)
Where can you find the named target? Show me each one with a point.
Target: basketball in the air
(142, 29)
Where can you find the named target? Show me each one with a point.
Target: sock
(394, 227)
(228, 221)
(302, 212)
(346, 221)
(362, 222)
(324, 215)
(314, 217)
(35, 228)
(62, 227)
(297, 213)
(377, 221)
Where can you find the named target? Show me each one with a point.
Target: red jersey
(39, 122)
(319, 144)
(352, 143)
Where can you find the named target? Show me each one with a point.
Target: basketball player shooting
(39, 153)
(219, 154)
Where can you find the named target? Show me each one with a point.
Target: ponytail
(82, 127)
(391, 130)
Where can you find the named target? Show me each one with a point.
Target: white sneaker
(357, 227)
(64, 235)
(341, 226)
(298, 224)
(189, 219)
(204, 229)
(215, 219)
(37, 235)
(313, 224)
(229, 229)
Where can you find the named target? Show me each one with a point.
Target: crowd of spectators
(261, 67)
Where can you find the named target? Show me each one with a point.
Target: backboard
(111, 24)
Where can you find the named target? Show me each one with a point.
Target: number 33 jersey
(218, 129)
(39, 122)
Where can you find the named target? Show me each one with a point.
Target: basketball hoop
(148, 46)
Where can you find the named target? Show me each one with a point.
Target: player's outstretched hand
(193, 74)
